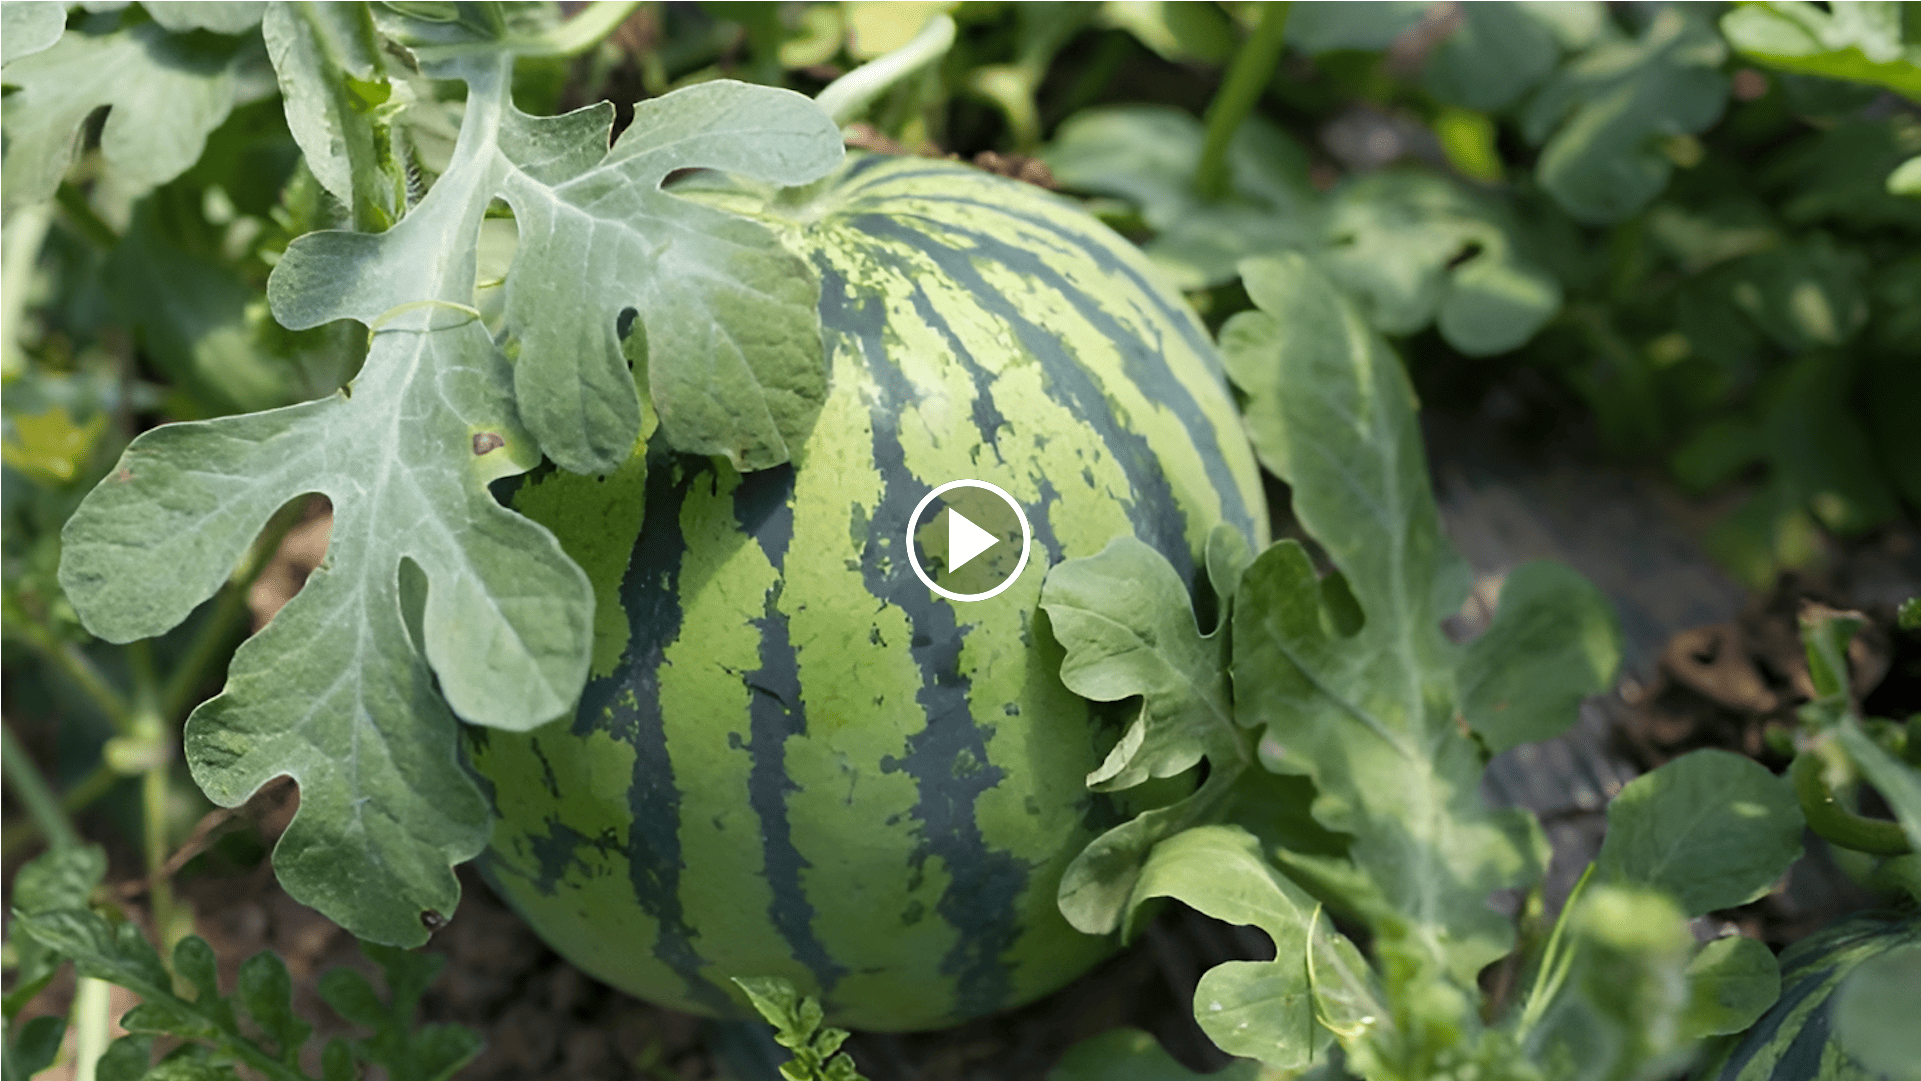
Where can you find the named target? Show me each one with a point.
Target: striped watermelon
(1794, 1040)
(794, 759)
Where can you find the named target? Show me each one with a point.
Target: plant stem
(1252, 68)
(153, 793)
(1554, 965)
(847, 97)
(79, 668)
(31, 790)
(1835, 823)
(229, 605)
(583, 31)
(77, 799)
(91, 1009)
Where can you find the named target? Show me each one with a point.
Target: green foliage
(797, 1027)
(254, 1027)
(438, 603)
(1859, 40)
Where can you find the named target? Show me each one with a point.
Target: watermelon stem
(1836, 824)
(846, 99)
(1252, 68)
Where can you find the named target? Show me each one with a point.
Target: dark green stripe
(1166, 531)
(948, 758)
(627, 704)
(763, 505)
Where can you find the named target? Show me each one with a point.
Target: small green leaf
(1712, 829)
(733, 359)
(797, 1027)
(326, 58)
(59, 878)
(1147, 155)
(1495, 54)
(126, 1059)
(1129, 1054)
(1412, 247)
(1873, 1014)
(1181, 32)
(1602, 115)
(1363, 24)
(1259, 1009)
(266, 993)
(1731, 982)
(29, 27)
(1128, 626)
(1554, 641)
(37, 1043)
(1848, 39)
(165, 95)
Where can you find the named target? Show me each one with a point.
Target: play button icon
(968, 540)
(965, 540)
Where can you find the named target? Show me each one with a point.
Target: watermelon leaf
(1366, 711)
(30, 27)
(1415, 248)
(435, 602)
(1731, 982)
(1602, 116)
(165, 93)
(1129, 630)
(797, 1027)
(1261, 1009)
(1711, 829)
(1850, 39)
(1554, 641)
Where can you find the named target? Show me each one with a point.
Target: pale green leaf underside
(1369, 715)
(1603, 115)
(165, 96)
(29, 27)
(315, 48)
(181, 16)
(338, 692)
(1712, 829)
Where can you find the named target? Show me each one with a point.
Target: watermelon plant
(623, 416)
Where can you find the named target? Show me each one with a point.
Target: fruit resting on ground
(795, 760)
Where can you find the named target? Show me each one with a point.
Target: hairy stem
(153, 793)
(1253, 66)
(92, 1010)
(33, 793)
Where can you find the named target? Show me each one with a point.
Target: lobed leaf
(1259, 1009)
(164, 93)
(1414, 248)
(1602, 116)
(1130, 1054)
(1361, 701)
(1711, 829)
(326, 58)
(1129, 630)
(1493, 55)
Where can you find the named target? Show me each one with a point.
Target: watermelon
(1795, 1040)
(794, 759)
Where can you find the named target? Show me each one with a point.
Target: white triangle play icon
(965, 540)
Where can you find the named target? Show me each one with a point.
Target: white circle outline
(913, 557)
